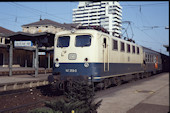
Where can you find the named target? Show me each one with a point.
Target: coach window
(137, 50)
(145, 57)
(128, 48)
(63, 41)
(83, 40)
(150, 58)
(133, 48)
(122, 46)
(115, 46)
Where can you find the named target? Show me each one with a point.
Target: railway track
(24, 100)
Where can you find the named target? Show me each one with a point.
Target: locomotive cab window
(83, 40)
(63, 41)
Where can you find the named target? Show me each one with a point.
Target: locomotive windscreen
(63, 41)
(83, 40)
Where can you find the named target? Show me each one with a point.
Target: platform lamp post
(36, 59)
(10, 57)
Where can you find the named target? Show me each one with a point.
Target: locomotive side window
(137, 50)
(128, 48)
(133, 48)
(122, 46)
(83, 40)
(104, 42)
(63, 41)
(115, 45)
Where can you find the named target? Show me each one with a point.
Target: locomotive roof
(92, 31)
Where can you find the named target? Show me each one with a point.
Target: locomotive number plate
(71, 70)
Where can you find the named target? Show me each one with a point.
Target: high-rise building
(107, 14)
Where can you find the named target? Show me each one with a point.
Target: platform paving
(22, 78)
(149, 95)
(4, 71)
(8, 83)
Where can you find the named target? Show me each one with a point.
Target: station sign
(23, 43)
(41, 53)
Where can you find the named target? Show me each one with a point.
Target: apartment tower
(107, 14)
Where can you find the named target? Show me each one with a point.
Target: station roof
(4, 31)
(47, 22)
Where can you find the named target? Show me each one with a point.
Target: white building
(107, 14)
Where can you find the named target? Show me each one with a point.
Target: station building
(24, 56)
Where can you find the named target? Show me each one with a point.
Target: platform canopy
(43, 38)
(39, 40)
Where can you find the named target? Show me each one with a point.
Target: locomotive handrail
(104, 56)
(108, 56)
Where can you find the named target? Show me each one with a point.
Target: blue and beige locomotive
(93, 55)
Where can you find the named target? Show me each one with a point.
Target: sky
(144, 22)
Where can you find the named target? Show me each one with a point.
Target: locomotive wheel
(107, 83)
(117, 81)
(137, 77)
(146, 75)
(141, 76)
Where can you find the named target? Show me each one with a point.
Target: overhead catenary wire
(39, 12)
(139, 5)
(148, 35)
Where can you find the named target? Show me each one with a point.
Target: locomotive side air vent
(72, 56)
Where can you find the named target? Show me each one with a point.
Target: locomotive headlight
(57, 59)
(57, 64)
(86, 64)
(86, 59)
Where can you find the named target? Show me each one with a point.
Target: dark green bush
(80, 98)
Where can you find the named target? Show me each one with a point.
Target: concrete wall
(47, 28)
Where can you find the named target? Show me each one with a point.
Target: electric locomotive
(96, 56)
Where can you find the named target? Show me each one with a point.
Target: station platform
(156, 103)
(23, 78)
(4, 71)
(148, 95)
